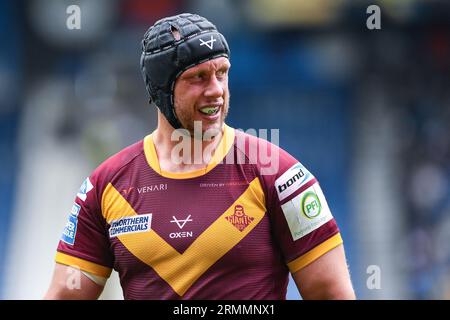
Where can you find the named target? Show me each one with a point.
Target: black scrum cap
(164, 57)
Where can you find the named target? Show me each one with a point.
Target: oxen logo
(209, 43)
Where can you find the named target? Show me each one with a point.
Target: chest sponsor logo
(306, 212)
(84, 189)
(212, 185)
(152, 188)
(239, 219)
(292, 180)
(223, 184)
(139, 223)
(181, 223)
(127, 191)
(182, 270)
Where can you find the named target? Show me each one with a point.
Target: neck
(179, 150)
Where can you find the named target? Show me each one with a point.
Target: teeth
(209, 110)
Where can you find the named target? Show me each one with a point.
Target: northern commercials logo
(239, 219)
(292, 180)
(209, 43)
(135, 224)
(84, 189)
(181, 223)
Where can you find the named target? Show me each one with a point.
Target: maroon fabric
(254, 269)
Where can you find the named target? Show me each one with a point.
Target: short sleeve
(302, 223)
(84, 243)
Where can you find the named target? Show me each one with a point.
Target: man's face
(201, 94)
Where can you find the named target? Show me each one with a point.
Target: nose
(214, 89)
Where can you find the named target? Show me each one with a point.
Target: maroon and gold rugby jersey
(231, 231)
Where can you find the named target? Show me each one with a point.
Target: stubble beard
(187, 121)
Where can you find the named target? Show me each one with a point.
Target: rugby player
(227, 225)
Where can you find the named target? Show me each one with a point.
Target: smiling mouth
(210, 110)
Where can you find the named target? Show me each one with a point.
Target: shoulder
(281, 174)
(269, 158)
(106, 171)
(91, 191)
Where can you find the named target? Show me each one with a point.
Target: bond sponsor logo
(306, 212)
(70, 229)
(135, 224)
(292, 180)
(239, 219)
(84, 189)
(298, 176)
(152, 188)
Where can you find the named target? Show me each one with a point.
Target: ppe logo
(306, 212)
(311, 205)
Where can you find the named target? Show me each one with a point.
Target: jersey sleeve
(302, 223)
(84, 243)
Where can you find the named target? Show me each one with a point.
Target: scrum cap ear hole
(175, 32)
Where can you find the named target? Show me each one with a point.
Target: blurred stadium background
(368, 112)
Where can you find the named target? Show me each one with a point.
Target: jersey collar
(219, 154)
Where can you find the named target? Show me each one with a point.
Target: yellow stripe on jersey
(315, 253)
(181, 271)
(221, 151)
(83, 265)
(114, 206)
